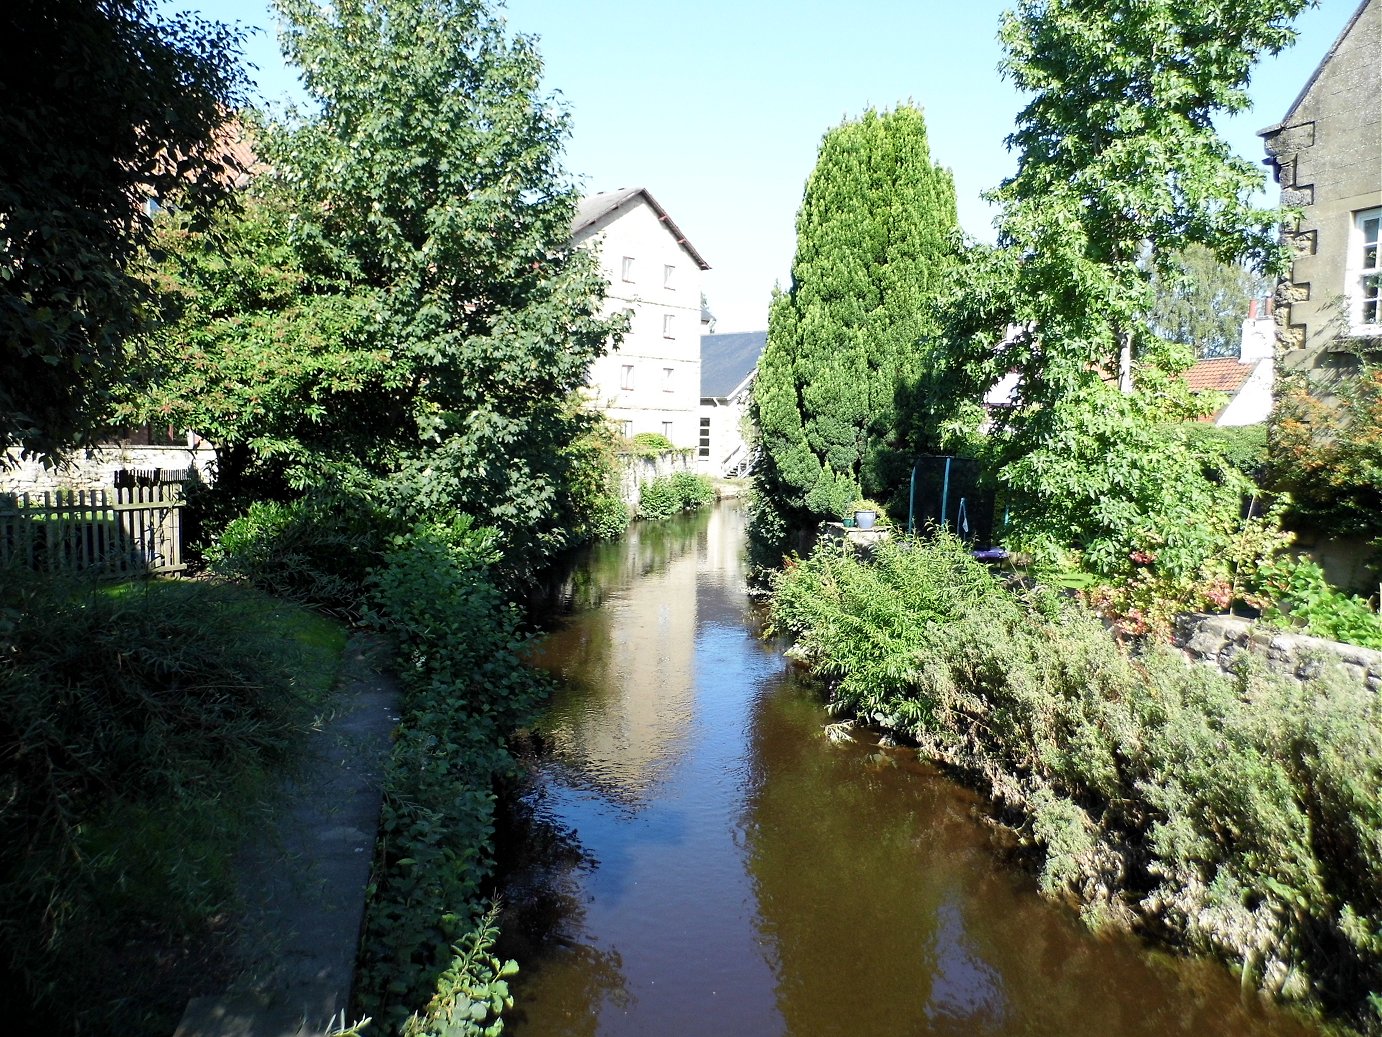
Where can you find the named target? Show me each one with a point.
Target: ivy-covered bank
(1236, 816)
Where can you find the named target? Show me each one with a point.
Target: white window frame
(626, 378)
(669, 325)
(626, 269)
(703, 440)
(626, 428)
(669, 277)
(669, 378)
(667, 429)
(1365, 273)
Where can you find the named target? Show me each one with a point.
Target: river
(695, 856)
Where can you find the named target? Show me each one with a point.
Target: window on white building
(668, 379)
(703, 446)
(669, 276)
(1365, 273)
(626, 428)
(667, 429)
(627, 268)
(668, 326)
(626, 376)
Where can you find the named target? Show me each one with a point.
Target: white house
(728, 365)
(651, 383)
(1247, 378)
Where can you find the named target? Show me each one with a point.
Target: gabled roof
(1314, 76)
(726, 360)
(1225, 374)
(597, 206)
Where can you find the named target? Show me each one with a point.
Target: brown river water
(693, 856)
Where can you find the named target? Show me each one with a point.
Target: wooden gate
(127, 531)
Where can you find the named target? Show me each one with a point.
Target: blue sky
(717, 107)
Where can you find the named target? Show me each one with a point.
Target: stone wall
(1219, 640)
(95, 469)
(639, 470)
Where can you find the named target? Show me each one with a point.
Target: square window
(627, 268)
(626, 377)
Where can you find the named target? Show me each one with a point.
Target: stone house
(651, 383)
(728, 365)
(1326, 153)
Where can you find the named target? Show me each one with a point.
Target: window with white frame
(669, 277)
(626, 376)
(626, 268)
(1365, 273)
(669, 326)
(626, 428)
(668, 379)
(667, 429)
(703, 445)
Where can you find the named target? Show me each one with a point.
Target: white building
(652, 382)
(728, 365)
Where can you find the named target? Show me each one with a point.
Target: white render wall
(657, 401)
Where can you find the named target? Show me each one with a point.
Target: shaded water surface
(698, 858)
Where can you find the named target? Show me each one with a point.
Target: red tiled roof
(1223, 375)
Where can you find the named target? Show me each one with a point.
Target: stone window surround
(1359, 270)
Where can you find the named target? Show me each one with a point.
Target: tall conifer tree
(875, 243)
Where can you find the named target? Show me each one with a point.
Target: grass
(144, 726)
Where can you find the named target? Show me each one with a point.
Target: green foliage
(874, 249)
(105, 103)
(1239, 816)
(667, 495)
(466, 687)
(1120, 171)
(1201, 301)
(1302, 595)
(319, 549)
(401, 302)
(650, 444)
(1242, 448)
(141, 729)
(1327, 453)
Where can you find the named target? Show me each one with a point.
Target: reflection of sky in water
(964, 987)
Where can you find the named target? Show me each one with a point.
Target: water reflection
(702, 860)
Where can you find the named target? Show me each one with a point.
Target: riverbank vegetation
(144, 726)
(1238, 816)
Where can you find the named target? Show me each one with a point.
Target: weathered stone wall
(96, 469)
(640, 470)
(1325, 157)
(1219, 640)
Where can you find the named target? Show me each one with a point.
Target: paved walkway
(304, 883)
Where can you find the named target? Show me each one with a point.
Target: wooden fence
(126, 531)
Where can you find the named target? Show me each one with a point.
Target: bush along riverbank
(426, 965)
(1235, 816)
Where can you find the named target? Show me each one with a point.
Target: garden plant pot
(864, 519)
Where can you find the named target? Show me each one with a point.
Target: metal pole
(945, 493)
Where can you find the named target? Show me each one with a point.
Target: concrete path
(304, 882)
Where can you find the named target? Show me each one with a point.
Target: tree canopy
(102, 105)
(876, 237)
(1120, 167)
(401, 304)
(1201, 301)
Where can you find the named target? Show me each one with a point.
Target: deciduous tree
(103, 103)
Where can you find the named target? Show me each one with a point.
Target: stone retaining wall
(1219, 640)
(95, 469)
(639, 470)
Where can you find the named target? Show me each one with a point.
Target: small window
(703, 446)
(626, 428)
(668, 379)
(667, 429)
(668, 326)
(1366, 282)
(627, 268)
(626, 377)
(669, 277)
